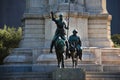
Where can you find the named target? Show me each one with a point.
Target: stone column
(104, 6)
(36, 6)
(82, 27)
(80, 5)
(96, 6)
(34, 27)
(50, 28)
(99, 30)
(33, 34)
(53, 5)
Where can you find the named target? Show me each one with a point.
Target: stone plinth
(99, 31)
(69, 74)
(96, 6)
(36, 6)
(31, 60)
(33, 31)
(20, 56)
(91, 21)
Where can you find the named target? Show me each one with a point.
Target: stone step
(32, 44)
(48, 76)
(88, 67)
(110, 50)
(52, 67)
(51, 59)
(18, 59)
(19, 56)
(38, 71)
(22, 51)
(110, 56)
(111, 68)
(94, 55)
(102, 75)
(110, 59)
(26, 76)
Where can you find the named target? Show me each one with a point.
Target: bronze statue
(75, 47)
(60, 31)
(59, 50)
(59, 40)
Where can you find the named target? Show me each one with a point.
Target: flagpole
(68, 18)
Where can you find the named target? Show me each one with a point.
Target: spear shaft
(68, 18)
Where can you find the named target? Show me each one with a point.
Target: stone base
(69, 74)
(102, 75)
(91, 55)
(19, 56)
(44, 72)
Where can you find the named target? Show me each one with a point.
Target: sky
(11, 12)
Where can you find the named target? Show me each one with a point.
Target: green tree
(116, 40)
(9, 39)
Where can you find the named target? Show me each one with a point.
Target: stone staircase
(26, 76)
(99, 64)
(110, 56)
(44, 72)
(19, 56)
(102, 75)
(25, 72)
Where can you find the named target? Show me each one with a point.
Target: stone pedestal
(69, 74)
(33, 31)
(99, 31)
(32, 61)
(95, 6)
(89, 17)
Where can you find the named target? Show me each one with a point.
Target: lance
(68, 18)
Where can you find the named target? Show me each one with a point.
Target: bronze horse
(75, 53)
(60, 49)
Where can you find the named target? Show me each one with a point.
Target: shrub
(9, 39)
(116, 40)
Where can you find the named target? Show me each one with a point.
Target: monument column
(96, 6)
(34, 27)
(33, 38)
(98, 24)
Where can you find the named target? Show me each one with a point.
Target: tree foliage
(116, 40)
(9, 39)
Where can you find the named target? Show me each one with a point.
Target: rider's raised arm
(52, 15)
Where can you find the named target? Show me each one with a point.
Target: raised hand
(51, 12)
